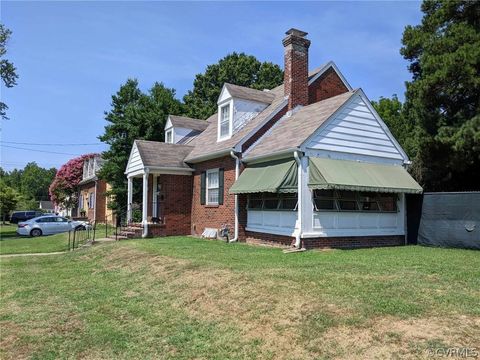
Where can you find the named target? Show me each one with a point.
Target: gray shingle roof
(291, 132)
(159, 154)
(206, 143)
(246, 93)
(188, 123)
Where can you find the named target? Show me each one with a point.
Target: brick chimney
(296, 67)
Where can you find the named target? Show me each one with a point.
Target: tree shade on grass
(182, 298)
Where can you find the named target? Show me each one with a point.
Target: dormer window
(169, 136)
(224, 126)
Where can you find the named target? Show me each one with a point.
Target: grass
(11, 243)
(183, 298)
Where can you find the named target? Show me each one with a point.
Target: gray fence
(450, 220)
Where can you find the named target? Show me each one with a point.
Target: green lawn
(11, 243)
(184, 298)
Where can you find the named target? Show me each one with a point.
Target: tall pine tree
(443, 97)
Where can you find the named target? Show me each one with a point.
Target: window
(272, 201)
(212, 187)
(91, 200)
(331, 200)
(224, 121)
(169, 136)
(46, 220)
(80, 201)
(60, 219)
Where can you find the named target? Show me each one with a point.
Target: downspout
(298, 235)
(95, 203)
(237, 173)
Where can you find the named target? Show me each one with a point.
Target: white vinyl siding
(135, 162)
(212, 187)
(356, 131)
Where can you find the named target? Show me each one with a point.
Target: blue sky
(72, 56)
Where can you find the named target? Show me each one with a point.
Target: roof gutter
(272, 156)
(210, 156)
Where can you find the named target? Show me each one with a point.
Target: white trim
(226, 103)
(170, 131)
(332, 65)
(212, 171)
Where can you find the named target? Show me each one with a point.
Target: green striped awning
(274, 176)
(360, 176)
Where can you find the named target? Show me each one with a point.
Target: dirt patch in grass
(398, 339)
(264, 311)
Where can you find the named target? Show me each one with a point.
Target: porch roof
(274, 176)
(155, 155)
(360, 176)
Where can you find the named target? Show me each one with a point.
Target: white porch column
(129, 198)
(145, 203)
(154, 197)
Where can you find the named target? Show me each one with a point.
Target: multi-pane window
(331, 200)
(169, 136)
(272, 201)
(225, 121)
(212, 187)
(91, 200)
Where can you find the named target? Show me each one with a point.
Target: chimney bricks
(296, 68)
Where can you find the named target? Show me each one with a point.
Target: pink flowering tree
(64, 188)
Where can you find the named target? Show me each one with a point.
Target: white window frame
(230, 120)
(171, 132)
(207, 186)
(91, 200)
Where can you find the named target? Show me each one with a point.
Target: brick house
(309, 163)
(92, 201)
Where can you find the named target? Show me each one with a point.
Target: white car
(49, 224)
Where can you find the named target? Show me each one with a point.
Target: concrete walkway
(33, 254)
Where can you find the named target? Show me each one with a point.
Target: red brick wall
(327, 85)
(296, 70)
(349, 242)
(178, 203)
(213, 216)
(100, 201)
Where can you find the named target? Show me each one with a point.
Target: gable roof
(163, 155)
(188, 123)
(246, 93)
(291, 131)
(206, 144)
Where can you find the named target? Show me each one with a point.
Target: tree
(443, 97)
(64, 187)
(133, 115)
(36, 180)
(7, 70)
(9, 198)
(238, 69)
(401, 127)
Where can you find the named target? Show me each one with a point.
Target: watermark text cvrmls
(454, 352)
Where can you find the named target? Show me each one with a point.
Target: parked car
(18, 216)
(49, 224)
